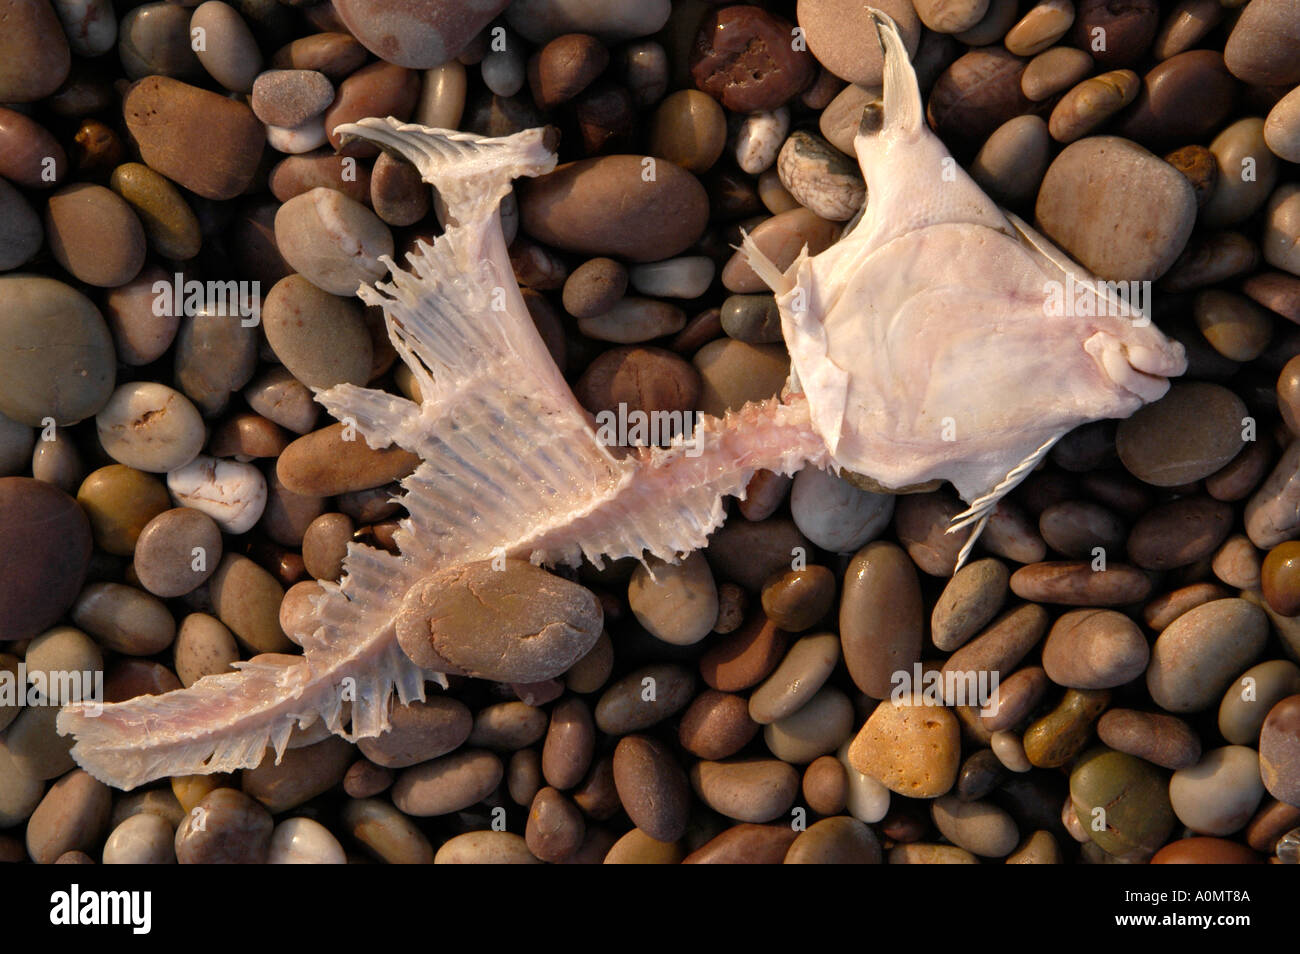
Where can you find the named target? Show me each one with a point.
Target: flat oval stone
(1053, 71)
(519, 624)
(419, 732)
(1183, 98)
(378, 89)
(652, 787)
(143, 839)
(124, 619)
(1248, 700)
(607, 206)
(797, 599)
(644, 697)
(73, 816)
(1142, 197)
(1190, 433)
(1078, 584)
(1197, 655)
(247, 599)
(841, 35)
(1180, 532)
(1282, 228)
(1219, 794)
(1163, 740)
(1134, 796)
(319, 337)
(234, 829)
(1061, 734)
(820, 177)
(45, 548)
(837, 841)
(982, 828)
(1018, 695)
(325, 463)
(482, 848)
(1091, 103)
(716, 726)
(1271, 512)
(780, 238)
(677, 603)
(1282, 128)
(201, 140)
(1002, 645)
(31, 157)
(1094, 649)
(154, 38)
(1128, 29)
(170, 224)
(1238, 195)
(817, 728)
(632, 320)
(881, 617)
(976, 94)
(1263, 45)
(302, 841)
(968, 603)
(1205, 851)
(332, 240)
(56, 355)
(21, 232)
(203, 647)
(690, 129)
(745, 844)
(1011, 163)
(177, 551)
(392, 837)
(120, 501)
(448, 784)
(1075, 528)
(34, 55)
(914, 750)
(301, 774)
(753, 790)
(150, 427)
(420, 34)
(290, 97)
(1041, 26)
(1279, 751)
(230, 53)
(834, 514)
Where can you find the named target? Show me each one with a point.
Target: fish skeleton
(920, 349)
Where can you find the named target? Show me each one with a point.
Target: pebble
(168, 222)
(177, 551)
(881, 617)
(753, 790)
(1183, 98)
(921, 521)
(1130, 225)
(201, 140)
(150, 427)
(31, 157)
(820, 177)
(1204, 851)
(979, 827)
(297, 174)
(120, 501)
(1134, 796)
(922, 854)
(819, 727)
(34, 745)
(503, 71)
(1282, 229)
(94, 234)
(1190, 433)
(364, 779)
(1219, 794)
(1180, 532)
(913, 750)
(1040, 848)
(1235, 326)
(229, 50)
(203, 647)
(1237, 563)
(1247, 174)
(215, 357)
(644, 697)
(759, 139)
(1282, 128)
(690, 129)
(393, 838)
(752, 318)
(1011, 163)
(733, 373)
(1061, 734)
(1076, 528)
(20, 792)
(154, 38)
(333, 241)
(1271, 513)
(320, 338)
(482, 847)
(1018, 695)
(1279, 751)
(290, 97)
(378, 89)
(280, 397)
(21, 232)
(652, 787)
(641, 378)
(745, 844)
(246, 598)
(419, 732)
(825, 785)
(232, 493)
(781, 238)
(1248, 700)
(1053, 71)
(1128, 30)
(1001, 646)
(1196, 656)
(796, 600)
(969, 601)
(842, 37)
(834, 514)
(976, 94)
(398, 194)
(1009, 750)
(33, 51)
(716, 725)
(302, 773)
(143, 839)
(516, 624)
(677, 603)
(633, 320)
(564, 67)
(838, 840)
(743, 57)
(1094, 649)
(448, 784)
(1091, 103)
(124, 619)
(72, 816)
(303, 841)
(686, 277)
(1040, 27)
(594, 287)
(1262, 45)
(326, 463)
(608, 206)
(841, 118)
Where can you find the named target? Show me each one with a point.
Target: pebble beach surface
(181, 237)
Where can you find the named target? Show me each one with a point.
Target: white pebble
(150, 427)
(143, 839)
(296, 140)
(301, 841)
(834, 514)
(91, 25)
(687, 277)
(868, 799)
(759, 139)
(1010, 751)
(503, 71)
(230, 492)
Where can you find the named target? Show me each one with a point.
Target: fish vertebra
(930, 307)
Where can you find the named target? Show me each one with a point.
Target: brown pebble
(1164, 740)
(226, 827)
(1079, 584)
(652, 787)
(744, 658)
(555, 828)
(825, 785)
(716, 725)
